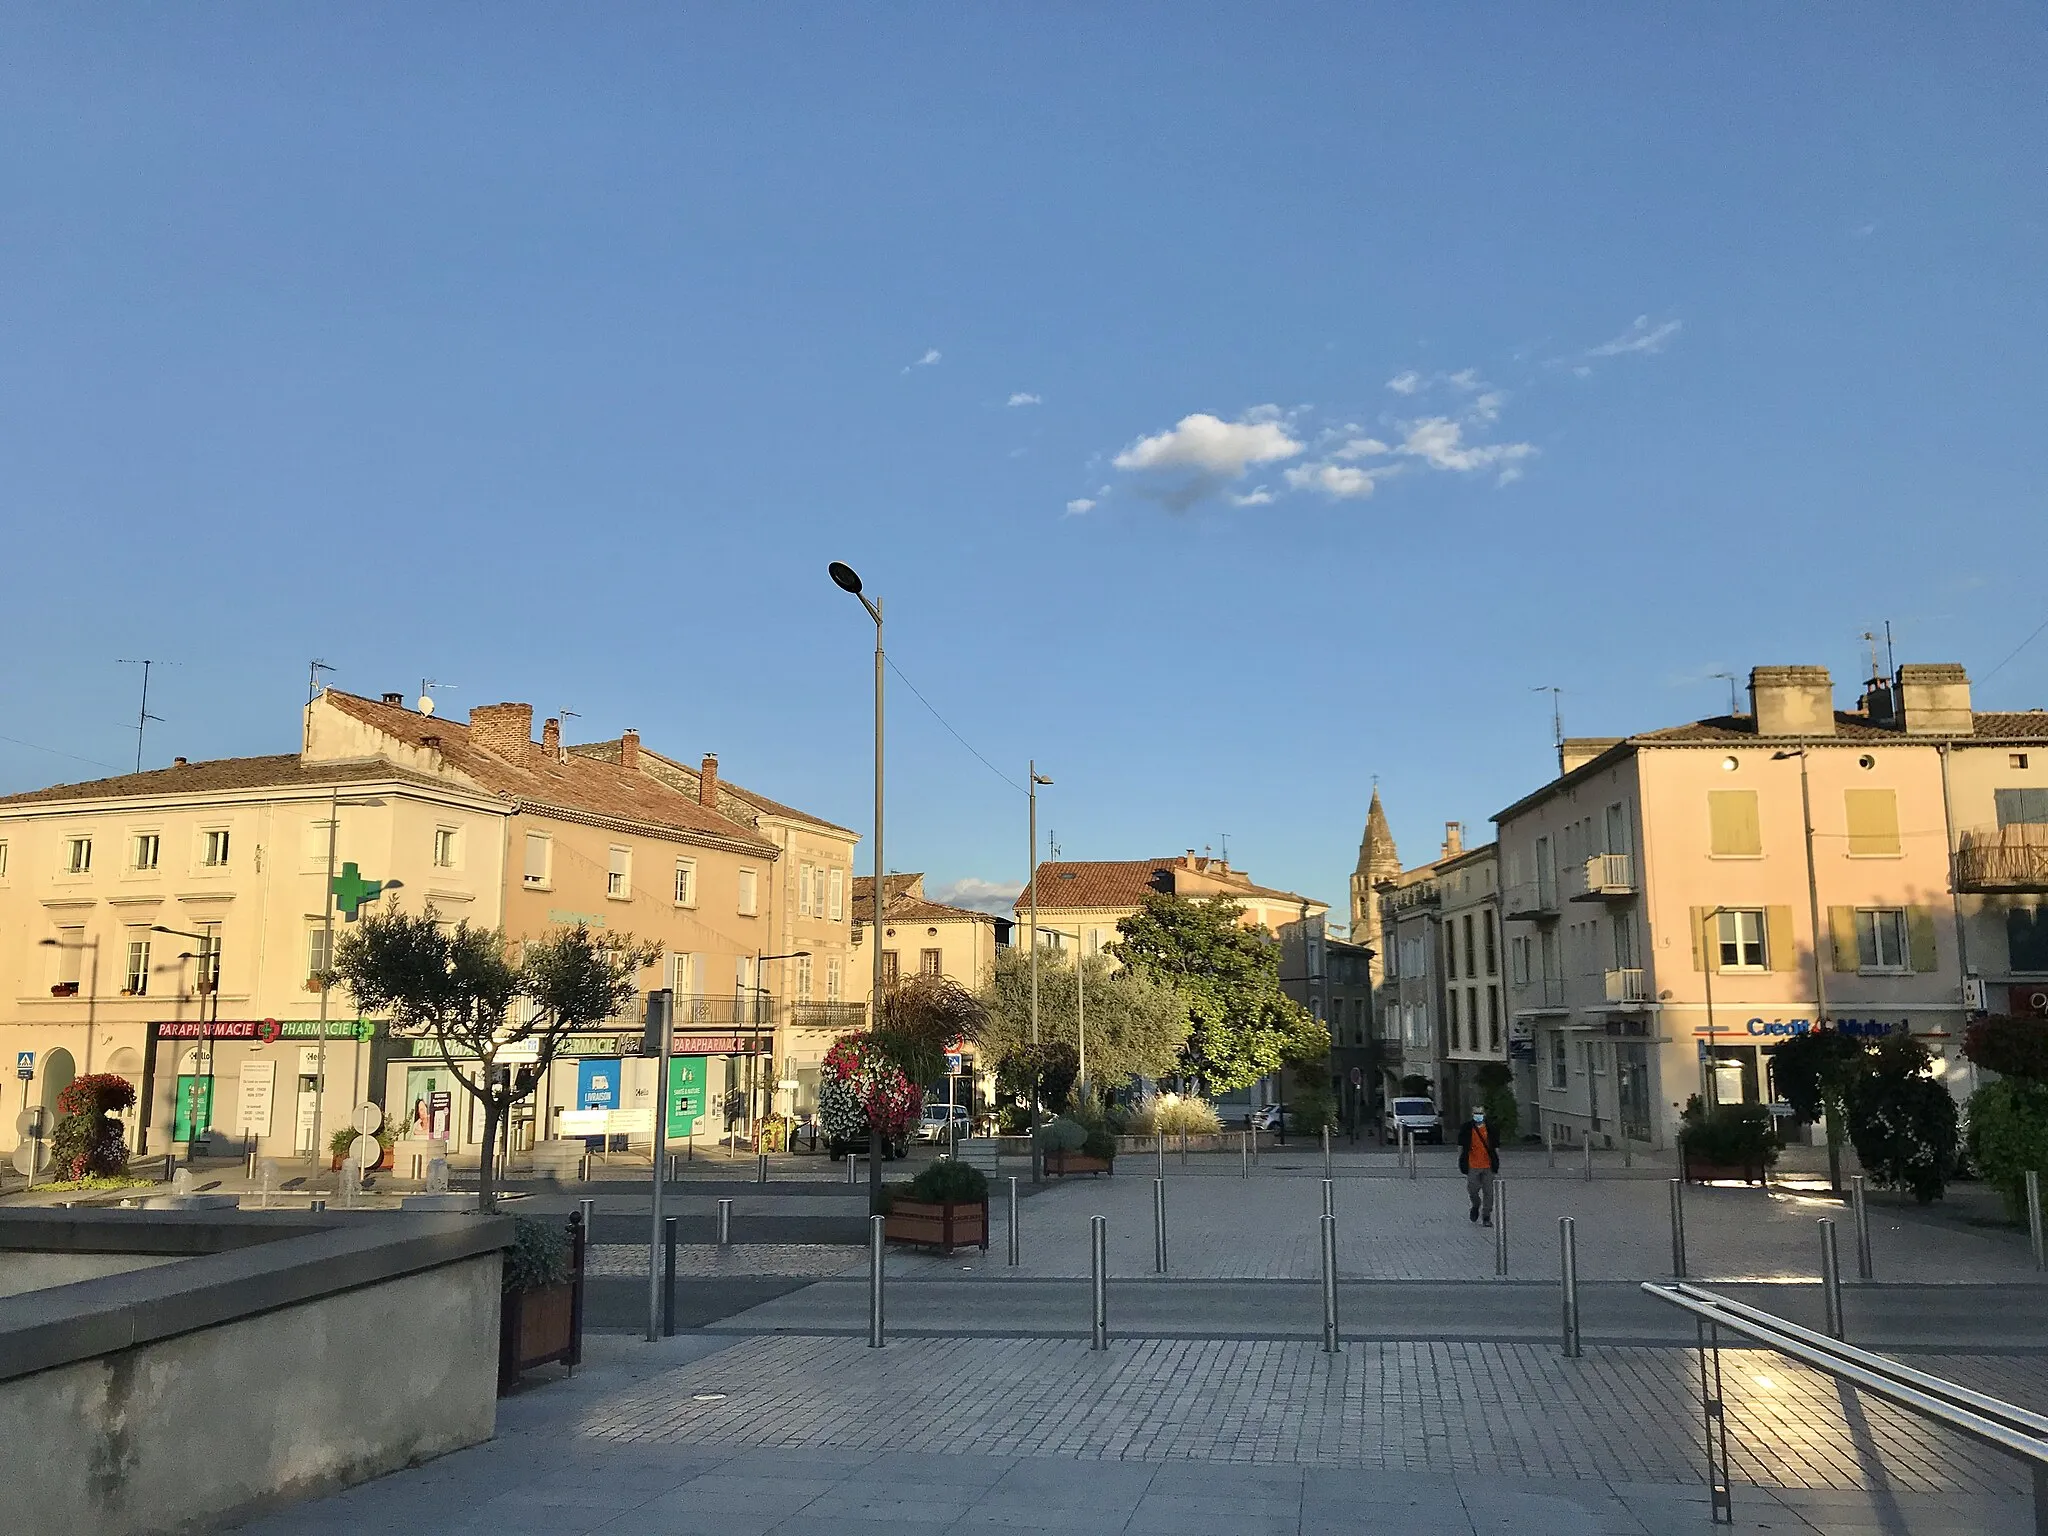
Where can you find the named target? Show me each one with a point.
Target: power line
(927, 703)
(38, 747)
(2015, 651)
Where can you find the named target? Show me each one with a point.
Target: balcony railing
(1607, 876)
(838, 1016)
(1539, 994)
(1532, 900)
(2008, 858)
(1626, 987)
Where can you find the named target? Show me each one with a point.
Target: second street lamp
(1037, 1066)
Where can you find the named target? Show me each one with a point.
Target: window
(1560, 1061)
(319, 950)
(1493, 1020)
(539, 848)
(144, 850)
(1450, 949)
(833, 981)
(2021, 807)
(1518, 960)
(686, 883)
(803, 978)
(803, 890)
(1492, 946)
(78, 856)
(818, 892)
(837, 908)
(890, 973)
(2026, 938)
(1873, 822)
(618, 883)
(3, 859)
(444, 847)
(1881, 939)
(683, 975)
(70, 956)
(1617, 829)
(1472, 1018)
(1742, 941)
(1624, 943)
(1731, 814)
(1471, 950)
(206, 970)
(750, 905)
(136, 983)
(2016, 759)
(213, 847)
(1451, 1016)
(930, 962)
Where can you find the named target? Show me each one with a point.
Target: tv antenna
(142, 715)
(427, 687)
(1225, 837)
(313, 678)
(1732, 705)
(1556, 712)
(562, 740)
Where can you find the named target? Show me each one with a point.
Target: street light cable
(927, 703)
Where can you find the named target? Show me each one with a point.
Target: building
(1412, 1000)
(1378, 862)
(922, 937)
(1354, 1039)
(1677, 900)
(1475, 1030)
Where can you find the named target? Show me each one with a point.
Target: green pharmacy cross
(351, 890)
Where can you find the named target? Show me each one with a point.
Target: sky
(1230, 405)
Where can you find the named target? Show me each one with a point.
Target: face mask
(1478, 1119)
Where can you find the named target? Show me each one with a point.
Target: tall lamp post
(334, 805)
(1037, 1067)
(208, 958)
(848, 580)
(1820, 985)
(1710, 1091)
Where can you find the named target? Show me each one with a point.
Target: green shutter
(1920, 938)
(1702, 950)
(1782, 954)
(1842, 931)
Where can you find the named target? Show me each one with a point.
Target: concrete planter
(944, 1225)
(1060, 1165)
(1699, 1171)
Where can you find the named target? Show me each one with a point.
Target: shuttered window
(2026, 938)
(2022, 807)
(1732, 817)
(837, 908)
(537, 847)
(1873, 822)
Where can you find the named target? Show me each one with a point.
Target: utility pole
(1038, 1066)
(143, 716)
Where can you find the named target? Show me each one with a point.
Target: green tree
(1241, 1026)
(457, 987)
(1135, 1026)
(923, 1017)
(1902, 1120)
(1496, 1081)
(1312, 1105)
(1816, 1072)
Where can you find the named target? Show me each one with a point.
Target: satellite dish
(426, 703)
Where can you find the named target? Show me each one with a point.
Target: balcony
(1626, 989)
(1531, 901)
(1539, 994)
(832, 1016)
(2008, 858)
(1607, 877)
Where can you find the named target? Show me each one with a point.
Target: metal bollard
(1159, 1226)
(1013, 1218)
(1589, 1159)
(1861, 1211)
(850, 1176)
(1326, 1152)
(583, 1169)
(690, 1145)
(1500, 1225)
(1628, 1152)
(671, 1168)
(1550, 1143)
(877, 1244)
(1831, 1278)
(1331, 1342)
(1098, 1265)
(761, 1169)
(1162, 1154)
(589, 1209)
(725, 1222)
(1414, 1158)
(251, 1160)
(668, 1277)
(1183, 1148)
(1244, 1170)
(2034, 1232)
(1678, 1229)
(1568, 1259)
(1329, 1197)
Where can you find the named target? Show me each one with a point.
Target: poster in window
(429, 1103)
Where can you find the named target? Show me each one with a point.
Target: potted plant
(540, 1313)
(64, 989)
(339, 1143)
(1071, 1147)
(944, 1207)
(1736, 1141)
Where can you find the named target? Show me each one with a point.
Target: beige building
(1672, 911)
(1475, 1026)
(1413, 998)
(922, 937)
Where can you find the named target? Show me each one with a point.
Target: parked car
(1418, 1117)
(1265, 1118)
(936, 1116)
(859, 1148)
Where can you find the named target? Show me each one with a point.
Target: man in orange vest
(1479, 1161)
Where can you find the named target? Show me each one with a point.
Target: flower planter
(64, 989)
(543, 1325)
(1059, 1165)
(383, 1161)
(944, 1226)
(1699, 1171)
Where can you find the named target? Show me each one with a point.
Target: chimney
(1454, 838)
(395, 698)
(629, 750)
(551, 737)
(1577, 751)
(1934, 699)
(177, 762)
(503, 730)
(707, 782)
(1879, 703)
(1792, 701)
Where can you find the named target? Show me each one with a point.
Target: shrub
(2009, 1047)
(87, 1142)
(1169, 1114)
(539, 1256)
(1061, 1135)
(1012, 1119)
(2009, 1135)
(1313, 1105)
(339, 1143)
(1101, 1143)
(1733, 1136)
(1496, 1080)
(856, 1080)
(1902, 1121)
(949, 1180)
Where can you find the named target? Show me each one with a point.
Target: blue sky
(1229, 403)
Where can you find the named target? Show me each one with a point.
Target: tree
(1043, 1073)
(1241, 1026)
(1136, 1027)
(923, 1019)
(1902, 1120)
(457, 986)
(1313, 1105)
(2009, 1117)
(1496, 1081)
(1816, 1072)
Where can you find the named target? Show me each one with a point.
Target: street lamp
(1820, 986)
(334, 805)
(847, 580)
(1037, 1160)
(208, 977)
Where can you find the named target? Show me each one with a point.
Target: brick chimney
(707, 782)
(551, 737)
(1934, 699)
(1792, 701)
(629, 750)
(503, 730)
(1454, 838)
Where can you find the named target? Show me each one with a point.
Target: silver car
(933, 1126)
(1418, 1117)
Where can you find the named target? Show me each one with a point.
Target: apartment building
(1678, 900)
(1412, 1001)
(1475, 1028)
(922, 937)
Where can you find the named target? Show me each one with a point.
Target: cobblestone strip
(698, 1260)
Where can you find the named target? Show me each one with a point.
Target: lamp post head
(1039, 778)
(844, 577)
(1781, 755)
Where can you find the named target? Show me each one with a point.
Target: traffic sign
(31, 1157)
(24, 1065)
(32, 1123)
(952, 1063)
(366, 1119)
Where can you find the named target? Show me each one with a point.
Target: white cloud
(1340, 482)
(931, 356)
(1863, 231)
(1361, 448)
(1405, 383)
(1213, 447)
(1440, 443)
(1079, 505)
(1258, 496)
(1466, 379)
(1021, 398)
(1641, 336)
(995, 896)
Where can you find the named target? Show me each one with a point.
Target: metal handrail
(1988, 1420)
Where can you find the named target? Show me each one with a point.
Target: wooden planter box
(1699, 1171)
(1058, 1165)
(542, 1326)
(383, 1161)
(944, 1226)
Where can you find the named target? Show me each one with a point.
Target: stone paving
(702, 1260)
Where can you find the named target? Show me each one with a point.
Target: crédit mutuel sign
(1862, 1029)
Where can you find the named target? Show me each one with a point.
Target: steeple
(1378, 860)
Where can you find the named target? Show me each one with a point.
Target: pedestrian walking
(1479, 1161)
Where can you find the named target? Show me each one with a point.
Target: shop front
(255, 1082)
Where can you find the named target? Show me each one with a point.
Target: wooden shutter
(1873, 820)
(1733, 821)
(1780, 952)
(1842, 933)
(1920, 938)
(1706, 942)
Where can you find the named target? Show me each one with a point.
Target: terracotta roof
(2012, 725)
(894, 887)
(905, 902)
(1091, 884)
(283, 771)
(585, 785)
(691, 775)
